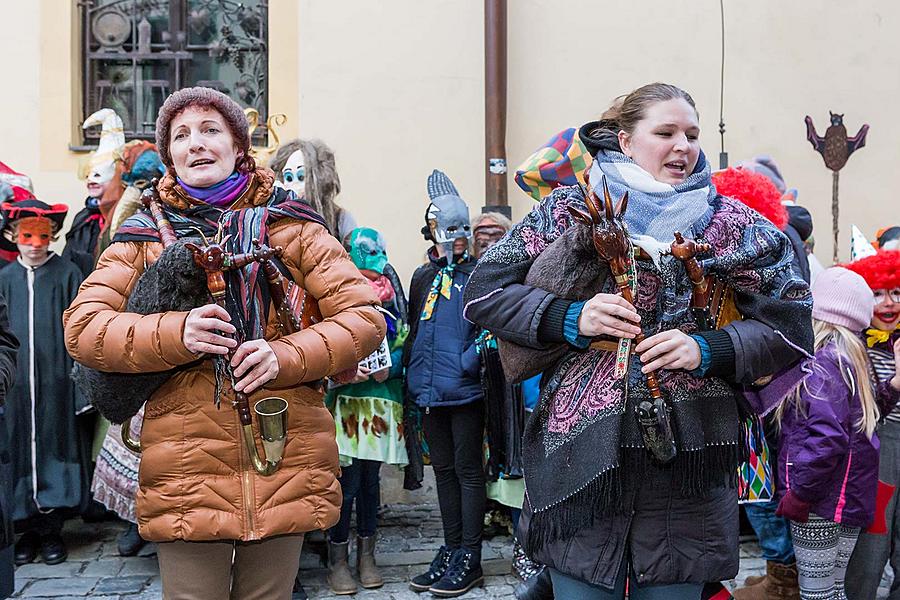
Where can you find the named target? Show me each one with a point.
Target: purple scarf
(221, 194)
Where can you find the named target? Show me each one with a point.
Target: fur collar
(259, 190)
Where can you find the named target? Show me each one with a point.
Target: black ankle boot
(462, 575)
(27, 548)
(538, 587)
(439, 566)
(130, 541)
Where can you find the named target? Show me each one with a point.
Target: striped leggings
(823, 549)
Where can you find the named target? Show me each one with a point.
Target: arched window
(137, 52)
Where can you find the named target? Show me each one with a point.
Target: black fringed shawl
(583, 444)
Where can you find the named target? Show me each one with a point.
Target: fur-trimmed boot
(369, 576)
(340, 579)
(753, 590)
(781, 581)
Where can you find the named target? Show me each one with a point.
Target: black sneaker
(463, 574)
(439, 566)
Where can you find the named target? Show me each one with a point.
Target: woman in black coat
(601, 508)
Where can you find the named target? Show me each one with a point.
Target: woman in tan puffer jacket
(224, 530)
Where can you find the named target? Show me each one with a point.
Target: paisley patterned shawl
(583, 443)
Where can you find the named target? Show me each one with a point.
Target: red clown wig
(755, 190)
(881, 270)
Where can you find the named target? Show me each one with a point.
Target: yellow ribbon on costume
(876, 336)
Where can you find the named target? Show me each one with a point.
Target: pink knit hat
(841, 297)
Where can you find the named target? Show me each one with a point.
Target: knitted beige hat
(203, 97)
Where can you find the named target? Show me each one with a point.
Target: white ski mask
(293, 174)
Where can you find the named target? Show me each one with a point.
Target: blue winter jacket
(441, 360)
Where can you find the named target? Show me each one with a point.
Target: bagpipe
(295, 309)
(712, 302)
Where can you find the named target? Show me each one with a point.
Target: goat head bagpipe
(176, 282)
(595, 255)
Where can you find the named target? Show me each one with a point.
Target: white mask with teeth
(293, 175)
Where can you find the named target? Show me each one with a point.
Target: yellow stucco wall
(396, 88)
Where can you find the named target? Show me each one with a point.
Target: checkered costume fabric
(561, 161)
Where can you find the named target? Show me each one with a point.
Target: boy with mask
(443, 380)
(49, 465)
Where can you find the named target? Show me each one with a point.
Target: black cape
(82, 239)
(43, 393)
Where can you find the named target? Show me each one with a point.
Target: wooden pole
(834, 214)
(496, 198)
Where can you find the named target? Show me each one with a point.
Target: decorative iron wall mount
(136, 52)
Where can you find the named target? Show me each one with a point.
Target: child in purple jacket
(828, 460)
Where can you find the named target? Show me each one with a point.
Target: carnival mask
(36, 232)
(109, 149)
(447, 219)
(487, 234)
(367, 250)
(293, 174)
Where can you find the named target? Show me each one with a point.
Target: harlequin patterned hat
(561, 161)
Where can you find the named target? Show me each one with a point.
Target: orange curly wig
(755, 190)
(881, 270)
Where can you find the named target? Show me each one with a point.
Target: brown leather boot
(753, 591)
(781, 581)
(340, 579)
(369, 576)
(753, 580)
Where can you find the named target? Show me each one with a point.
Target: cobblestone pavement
(408, 538)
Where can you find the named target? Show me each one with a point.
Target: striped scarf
(246, 295)
(441, 286)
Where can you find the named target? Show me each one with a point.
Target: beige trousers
(262, 570)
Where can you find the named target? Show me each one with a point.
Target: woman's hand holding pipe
(254, 365)
(203, 330)
(672, 349)
(608, 314)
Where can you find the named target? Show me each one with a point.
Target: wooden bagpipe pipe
(295, 309)
(712, 302)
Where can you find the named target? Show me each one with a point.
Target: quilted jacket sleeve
(351, 328)
(101, 337)
(823, 438)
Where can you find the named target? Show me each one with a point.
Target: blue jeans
(575, 589)
(361, 482)
(774, 532)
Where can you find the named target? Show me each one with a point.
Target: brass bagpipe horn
(271, 412)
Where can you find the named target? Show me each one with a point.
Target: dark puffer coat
(8, 347)
(440, 355)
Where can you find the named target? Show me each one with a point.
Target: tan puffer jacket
(196, 482)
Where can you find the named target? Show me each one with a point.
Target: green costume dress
(368, 415)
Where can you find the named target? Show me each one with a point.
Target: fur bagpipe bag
(175, 283)
(585, 410)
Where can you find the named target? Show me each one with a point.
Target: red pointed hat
(20, 184)
(755, 190)
(880, 270)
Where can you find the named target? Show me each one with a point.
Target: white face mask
(294, 174)
(102, 172)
